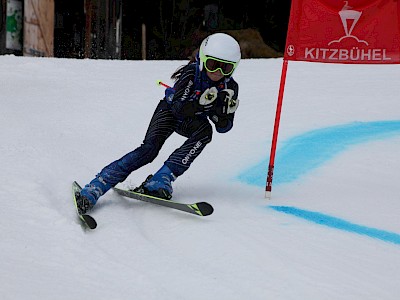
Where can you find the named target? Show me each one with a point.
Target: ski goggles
(213, 64)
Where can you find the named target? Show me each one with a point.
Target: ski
(199, 208)
(86, 219)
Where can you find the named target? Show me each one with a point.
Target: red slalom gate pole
(268, 187)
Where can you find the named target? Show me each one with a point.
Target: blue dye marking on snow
(341, 224)
(301, 154)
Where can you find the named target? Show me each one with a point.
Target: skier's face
(215, 76)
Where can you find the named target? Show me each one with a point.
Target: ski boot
(158, 185)
(91, 193)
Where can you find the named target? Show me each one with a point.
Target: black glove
(225, 104)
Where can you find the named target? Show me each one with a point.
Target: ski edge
(86, 219)
(199, 208)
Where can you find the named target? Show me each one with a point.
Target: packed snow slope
(331, 229)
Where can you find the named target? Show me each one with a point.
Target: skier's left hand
(225, 103)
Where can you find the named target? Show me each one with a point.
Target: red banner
(336, 31)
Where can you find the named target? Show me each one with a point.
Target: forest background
(174, 29)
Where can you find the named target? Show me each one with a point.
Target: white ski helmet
(221, 46)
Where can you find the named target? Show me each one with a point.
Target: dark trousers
(198, 131)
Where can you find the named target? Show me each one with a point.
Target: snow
(331, 229)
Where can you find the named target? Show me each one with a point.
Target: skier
(204, 90)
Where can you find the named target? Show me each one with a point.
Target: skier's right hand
(208, 97)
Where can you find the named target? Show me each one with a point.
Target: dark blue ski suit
(179, 111)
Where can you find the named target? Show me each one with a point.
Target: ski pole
(159, 82)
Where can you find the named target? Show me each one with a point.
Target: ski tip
(205, 208)
(91, 223)
(76, 185)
